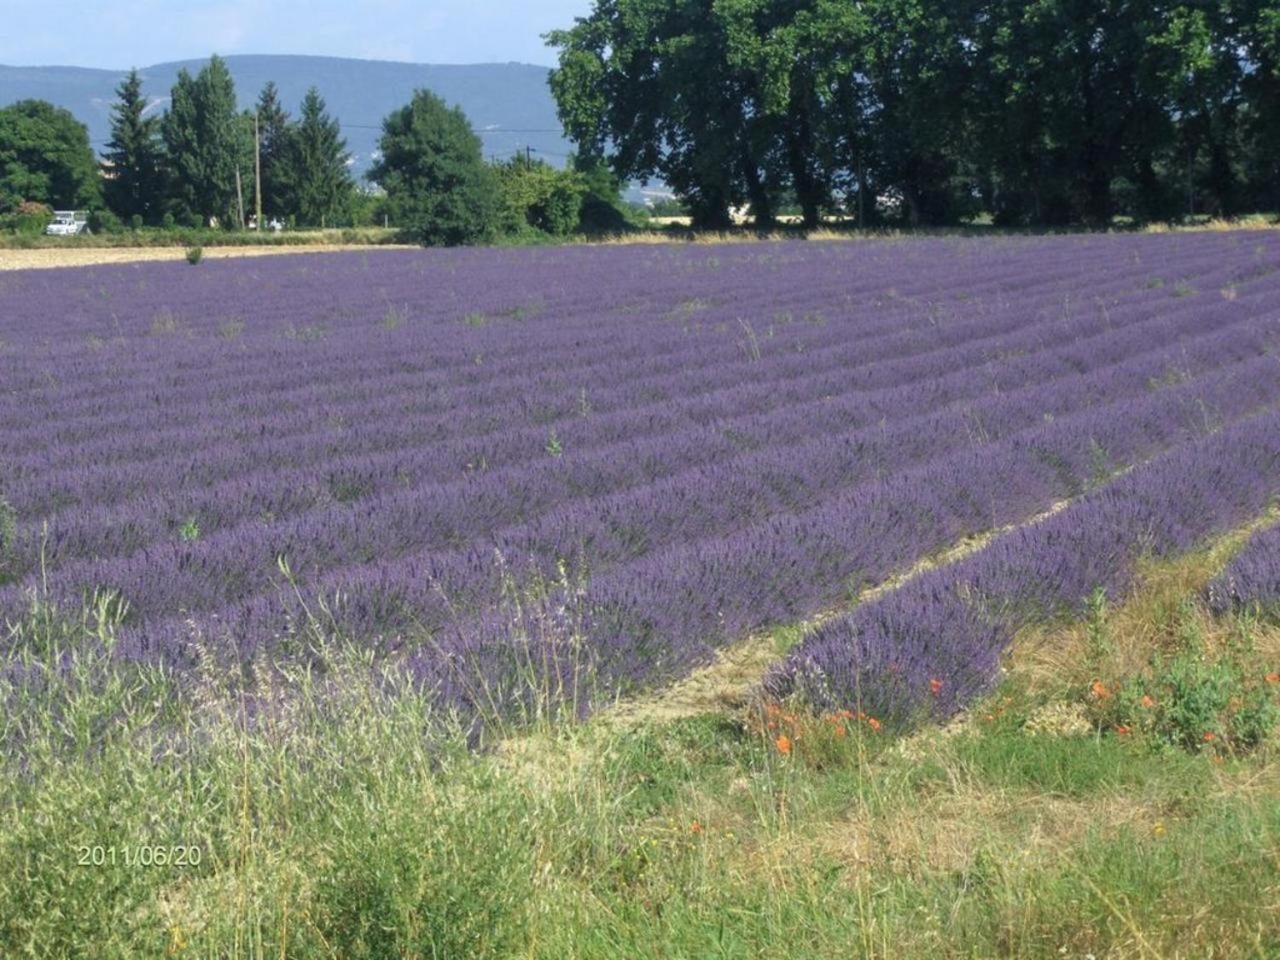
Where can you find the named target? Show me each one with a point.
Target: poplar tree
(205, 140)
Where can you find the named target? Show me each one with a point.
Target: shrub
(104, 221)
(195, 255)
(28, 219)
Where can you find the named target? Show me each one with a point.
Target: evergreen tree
(135, 181)
(273, 140)
(438, 186)
(319, 186)
(206, 143)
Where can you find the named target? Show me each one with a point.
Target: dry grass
(1047, 658)
(679, 231)
(52, 257)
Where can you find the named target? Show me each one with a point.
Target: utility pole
(257, 174)
(239, 197)
(1191, 181)
(862, 189)
(528, 155)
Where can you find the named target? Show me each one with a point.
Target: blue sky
(125, 33)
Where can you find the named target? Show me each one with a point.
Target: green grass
(337, 816)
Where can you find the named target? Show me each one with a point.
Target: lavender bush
(930, 646)
(1252, 578)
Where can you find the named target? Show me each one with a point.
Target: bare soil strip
(44, 258)
(729, 680)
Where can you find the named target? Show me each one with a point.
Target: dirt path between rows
(50, 257)
(737, 670)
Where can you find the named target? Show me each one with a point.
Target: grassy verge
(644, 232)
(1080, 811)
(191, 237)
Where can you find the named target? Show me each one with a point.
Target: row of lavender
(615, 532)
(1251, 580)
(936, 642)
(687, 486)
(659, 616)
(739, 438)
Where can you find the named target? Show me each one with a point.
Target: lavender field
(656, 450)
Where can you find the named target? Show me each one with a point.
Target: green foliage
(45, 158)
(273, 139)
(538, 196)
(1220, 700)
(1196, 703)
(439, 189)
(29, 219)
(136, 186)
(602, 209)
(8, 540)
(195, 255)
(928, 112)
(206, 141)
(104, 221)
(315, 187)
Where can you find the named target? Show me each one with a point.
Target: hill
(508, 103)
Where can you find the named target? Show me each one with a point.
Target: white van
(67, 223)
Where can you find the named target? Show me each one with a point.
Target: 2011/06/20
(143, 855)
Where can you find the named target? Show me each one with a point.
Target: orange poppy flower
(846, 714)
(784, 744)
(1273, 678)
(1210, 737)
(935, 686)
(1100, 690)
(1147, 701)
(873, 723)
(1123, 730)
(695, 827)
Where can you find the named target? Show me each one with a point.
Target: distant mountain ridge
(508, 104)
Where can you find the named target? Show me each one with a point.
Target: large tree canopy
(1043, 111)
(45, 158)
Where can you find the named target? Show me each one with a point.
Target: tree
(206, 143)
(1052, 111)
(134, 156)
(1258, 31)
(438, 186)
(318, 185)
(644, 84)
(45, 158)
(273, 142)
(536, 194)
